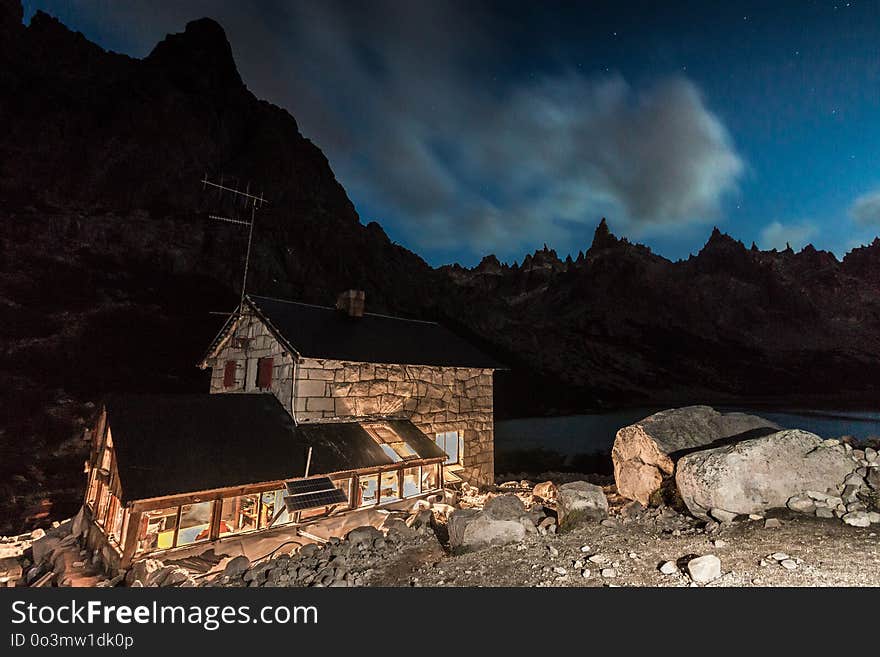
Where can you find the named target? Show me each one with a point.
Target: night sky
(466, 129)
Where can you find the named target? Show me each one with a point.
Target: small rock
(598, 559)
(704, 569)
(668, 568)
(586, 573)
(857, 519)
(788, 564)
(772, 523)
(719, 543)
(779, 556)
(608, 573)
(824, 513)
(801, 504)
(722, 516)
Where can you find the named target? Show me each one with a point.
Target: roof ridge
(315, 305)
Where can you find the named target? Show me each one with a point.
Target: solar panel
(312, 493)
(312, 485)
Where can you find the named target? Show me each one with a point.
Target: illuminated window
(451, 442)
(195, 523)
(238, 514)
(430, 477)
(412, 482)
(390, 488)
(369, 490)
(157, 529)
(393, 445)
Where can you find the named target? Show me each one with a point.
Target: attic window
(393, 445)
(240, 343)
(229, 374)
(264, 373)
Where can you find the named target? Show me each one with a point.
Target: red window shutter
(229, 374)
(264, 373)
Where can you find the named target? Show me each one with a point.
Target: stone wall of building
(435, 399)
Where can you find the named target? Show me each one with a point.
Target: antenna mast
(247, 200)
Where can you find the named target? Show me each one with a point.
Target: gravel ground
(823, 552)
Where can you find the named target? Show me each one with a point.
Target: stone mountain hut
(314, 412)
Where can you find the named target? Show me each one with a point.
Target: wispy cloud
(402, 99)
(865, 210)
(777, 235)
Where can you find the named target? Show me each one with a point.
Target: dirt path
(827, 553)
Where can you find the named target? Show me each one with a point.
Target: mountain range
(114, 278)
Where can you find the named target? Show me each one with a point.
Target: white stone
(704, 569)
(669, 568)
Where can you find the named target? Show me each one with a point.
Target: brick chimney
(351, 302)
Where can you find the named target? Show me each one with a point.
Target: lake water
(586, 434)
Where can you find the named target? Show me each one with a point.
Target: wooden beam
(129, 542)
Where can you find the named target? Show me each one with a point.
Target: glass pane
(118, 517)
(430, 477)
(390, 453)
(195, 523)
(277, 503)
(157, 529)
(390, 487)
(103, 503)
(411, 482)
(238, 514)
(448, 442)
(369, 490)
(404, 450)
(345, 486)
(268, 509)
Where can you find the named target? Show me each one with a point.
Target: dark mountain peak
(489, 265)
(199, 58)
(754, 248)
(603, 237)
(721, 242)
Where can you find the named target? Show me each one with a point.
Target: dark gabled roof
(322, 332)
(177, 444)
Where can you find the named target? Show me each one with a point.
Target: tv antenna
(247, 200)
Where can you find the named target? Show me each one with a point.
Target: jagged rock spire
(603, 238)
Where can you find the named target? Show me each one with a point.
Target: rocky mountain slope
(110, 269)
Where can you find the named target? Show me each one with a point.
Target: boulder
(758, 474)
(236, 566)
(364, 534)
(545, 491)
(645, 453)
(504, 507)
(579, 502)
(471, 529)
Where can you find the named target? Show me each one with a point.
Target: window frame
(459, 454)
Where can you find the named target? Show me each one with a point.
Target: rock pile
(339, 563)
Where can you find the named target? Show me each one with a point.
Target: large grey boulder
(764, 473)
(504, 507)
(580, 502)
(471, 529)
(645, 453)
